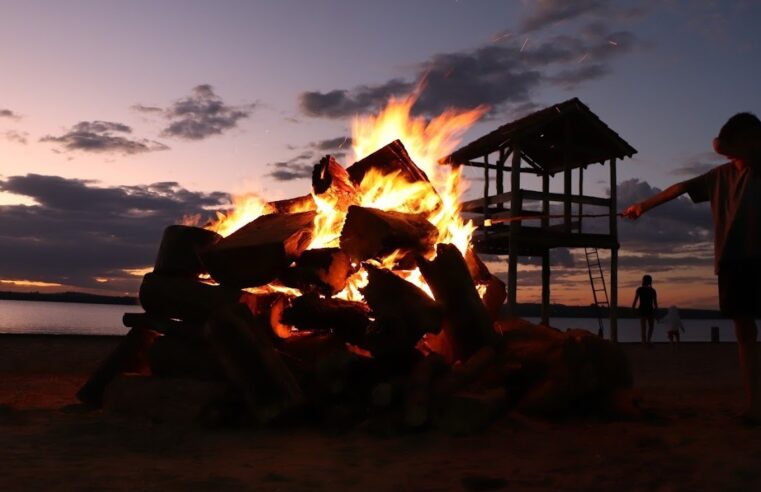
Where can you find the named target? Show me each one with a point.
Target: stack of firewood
(210, 348)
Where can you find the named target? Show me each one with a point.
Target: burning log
(391, 158)
(325, 270)
(294, 205)
(390, 296)
(494, 296)
(372, 233)
(468, 325)
(347, 319)
(180, 250)
(258, 252)
(330, 178)
(182, 298)
(131, 355)
(244, 349)
(495, 291)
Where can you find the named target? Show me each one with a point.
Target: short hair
(647, 280)
(737, 128)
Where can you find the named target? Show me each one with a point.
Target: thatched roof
(542, 138)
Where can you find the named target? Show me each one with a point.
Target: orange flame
(245, 209)
(426, 142)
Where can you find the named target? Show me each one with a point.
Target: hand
(634, 211)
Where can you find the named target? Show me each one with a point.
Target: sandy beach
(47, 442)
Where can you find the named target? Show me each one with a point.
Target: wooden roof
(543, 137)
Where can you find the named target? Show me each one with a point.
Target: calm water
(61, 318)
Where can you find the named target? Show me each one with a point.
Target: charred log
(331, 179)
(180, 250)
(324, 270)
(347, 319)
(131, 355)
(182, 298)
(294, 205)
(468, 325)
(182, 358)
(390, 296)
(260, 251)
(386, 160)
(244, 349)
(372, 233)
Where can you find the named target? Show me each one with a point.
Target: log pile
(248, 329)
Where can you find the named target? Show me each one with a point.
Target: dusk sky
(119, 118)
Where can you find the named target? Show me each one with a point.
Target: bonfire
(363, 293)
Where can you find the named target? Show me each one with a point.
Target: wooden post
(546, 254)
(500, 176)
(486, 186)
(581, 194)
(613, 253)
(567, 175)
(515, 209)
(546, 287)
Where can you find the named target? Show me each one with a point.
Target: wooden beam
(495, 167)
(560, 197)
(479, 202)
(545, 199)
(567, 173)
(546, 287)
(515, 207)
(581, 193)
(486, 185)
(500, 175)
(613, 253)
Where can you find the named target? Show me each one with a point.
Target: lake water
(62, 318)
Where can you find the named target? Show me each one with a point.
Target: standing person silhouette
(734, 191)
(648, 305)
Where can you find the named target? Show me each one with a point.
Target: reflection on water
(62, 318)
(103, 319)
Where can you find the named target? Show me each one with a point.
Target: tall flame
(426, 142)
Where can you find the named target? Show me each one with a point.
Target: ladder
(597, 281)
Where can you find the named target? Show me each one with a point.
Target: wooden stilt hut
(560, 139)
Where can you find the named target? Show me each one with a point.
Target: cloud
(18, 137)
(78, 230)
(545, 13)
(147, 109)
(676, 223)
(338, 143)
(198, 116)
(103, 137)
(699, 164)
(299, 167)
(341, 103)
(7, 113)
(502, 76)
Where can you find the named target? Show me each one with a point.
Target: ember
(363, 295)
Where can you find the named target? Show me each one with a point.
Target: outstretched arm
(673, 191)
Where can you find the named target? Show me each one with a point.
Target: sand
(692, 443)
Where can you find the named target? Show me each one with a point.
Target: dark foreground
(690, 442)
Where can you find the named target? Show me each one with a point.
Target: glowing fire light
(426, 142)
